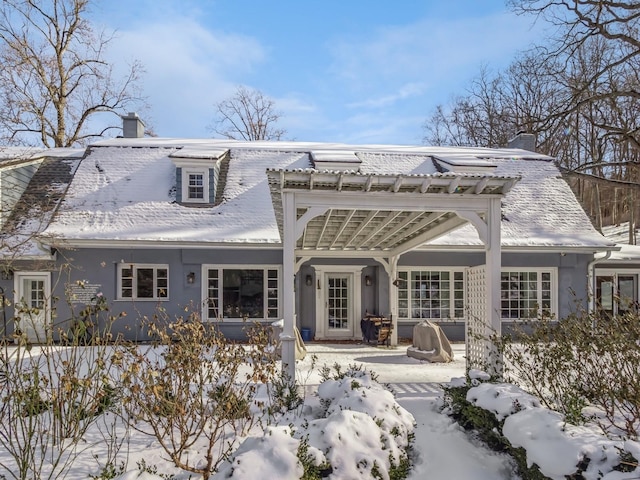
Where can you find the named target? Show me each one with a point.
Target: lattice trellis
(477, 343)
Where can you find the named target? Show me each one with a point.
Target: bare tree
(546, 96)
(248, 115)
(582, 23)
(54, 77)
(497, 105)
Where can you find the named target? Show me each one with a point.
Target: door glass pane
(338, 303)
(627, 290)
(34, 293)
(604, 294)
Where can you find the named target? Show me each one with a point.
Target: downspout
(591, 271)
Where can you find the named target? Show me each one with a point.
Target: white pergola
(325, 214)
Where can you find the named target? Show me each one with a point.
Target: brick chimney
(132, 126)
(524, 141)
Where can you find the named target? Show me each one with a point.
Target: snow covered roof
(17, 155)
(124, 190)
(539, 211)
(627, 254)
(34, 210)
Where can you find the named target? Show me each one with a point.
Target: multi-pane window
(431, 294)
(141, 281)
(525, 294)
(194, 184)
(243, 293)
(195, 188)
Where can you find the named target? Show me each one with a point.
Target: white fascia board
(195, 162)
(393, 201)
(154, 244)
(516, 249)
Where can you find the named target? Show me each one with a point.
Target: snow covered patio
(391, 364)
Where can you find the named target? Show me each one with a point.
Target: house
(32, 182)
(320, 234)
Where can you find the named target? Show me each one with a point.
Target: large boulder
(430, 343)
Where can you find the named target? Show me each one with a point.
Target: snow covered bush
(585, 367)
(541, 441)
(357, 431)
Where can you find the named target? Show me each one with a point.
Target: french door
(338, 301)
(616, 293)
(339, 311)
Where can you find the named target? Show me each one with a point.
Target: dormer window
(197, 172)
(195, 186)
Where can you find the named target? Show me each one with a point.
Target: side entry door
(32, 305)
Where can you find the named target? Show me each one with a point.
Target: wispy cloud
(188, 68)
(331, 83)
(405, 91)
(427, 48)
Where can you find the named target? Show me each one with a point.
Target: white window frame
(134, 285)
(221, 313)
(186, 172)
(452, 271)
(553, 278)
(614, 274)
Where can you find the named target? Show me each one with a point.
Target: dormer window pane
(196, 186)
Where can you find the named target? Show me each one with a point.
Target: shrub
(52, 393)
(486, 427)
(193, 389)
(587, 359)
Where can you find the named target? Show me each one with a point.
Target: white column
(492, 277)
(393, 298)
(288, 295)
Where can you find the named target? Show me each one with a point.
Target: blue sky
(339, 71)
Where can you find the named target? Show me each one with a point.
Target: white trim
(321, 273)
(430, 268)
(277, 245)
(186, 172)
(193, 162)
(602, 272)
(204, 289)
(591, 250)
(135, 266)
(158, 244)
(615, 273)
(554, 286)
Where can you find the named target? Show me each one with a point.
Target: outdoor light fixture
(308, 280)
(368, 281)
(191, 277)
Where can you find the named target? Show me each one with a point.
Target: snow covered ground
(442, 449)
